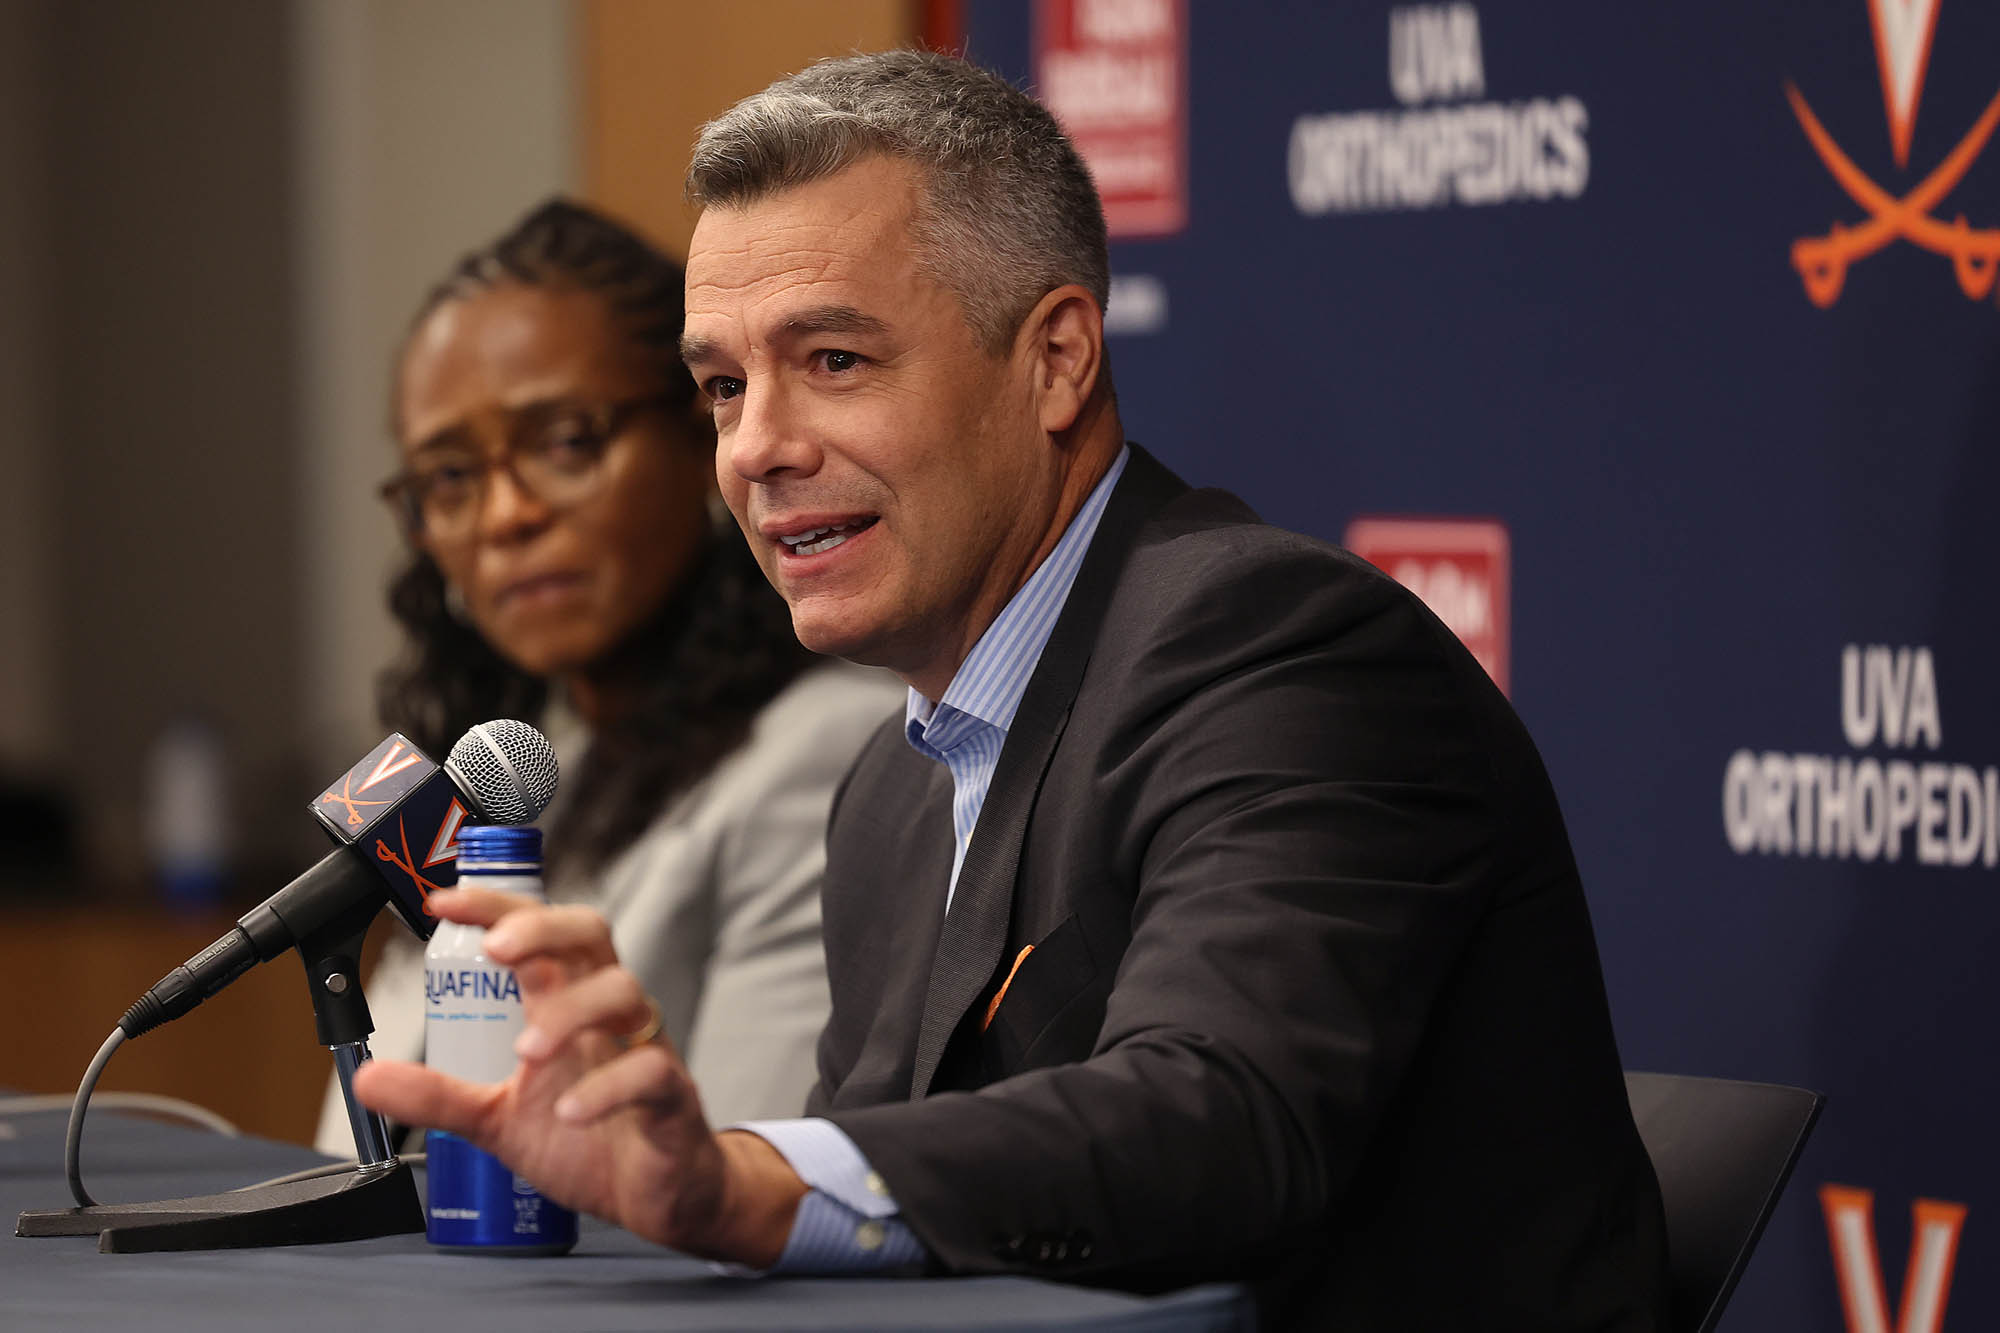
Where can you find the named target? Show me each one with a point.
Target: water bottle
(472, 1014)
(187, 812)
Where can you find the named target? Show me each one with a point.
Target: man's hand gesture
(597, 1124)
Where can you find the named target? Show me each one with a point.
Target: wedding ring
(642, 1035)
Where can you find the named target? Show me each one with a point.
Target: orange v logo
(445, 846)
(1850, 1228)
(1903, 31)
(392, 763)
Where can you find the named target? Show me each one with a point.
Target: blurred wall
(656, 70)
(27, 724)
(420, 131)
(218, 217)
(151, 404)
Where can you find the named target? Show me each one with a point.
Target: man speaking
(1208, 914)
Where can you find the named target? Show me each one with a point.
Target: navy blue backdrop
(1714, 485)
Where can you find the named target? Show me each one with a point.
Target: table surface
(612, 1281)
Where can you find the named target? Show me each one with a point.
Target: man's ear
(1066, 350)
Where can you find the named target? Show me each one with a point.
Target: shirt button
(870, 1235)
(876, 1185)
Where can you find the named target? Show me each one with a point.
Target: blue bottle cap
(510, 845)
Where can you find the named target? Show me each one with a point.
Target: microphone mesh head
(508, 767)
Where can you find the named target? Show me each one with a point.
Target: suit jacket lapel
(975, 929)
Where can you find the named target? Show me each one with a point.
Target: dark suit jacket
(1313, 1000)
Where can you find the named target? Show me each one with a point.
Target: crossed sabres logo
(444, 847)
(407, 863)
(1903, 32)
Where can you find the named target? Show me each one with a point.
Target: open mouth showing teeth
(815, 540)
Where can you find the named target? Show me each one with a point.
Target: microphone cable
(73, 1140)
(141, 1101)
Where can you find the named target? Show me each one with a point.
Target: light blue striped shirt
(965, 730)
(847, 1222)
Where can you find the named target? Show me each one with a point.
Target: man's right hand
(598, 1126)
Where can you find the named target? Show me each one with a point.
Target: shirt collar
(989, 684)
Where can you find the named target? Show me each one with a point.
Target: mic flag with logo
(402, 811)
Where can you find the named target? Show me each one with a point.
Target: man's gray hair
(1008, 211)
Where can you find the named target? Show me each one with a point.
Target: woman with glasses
(569, 565)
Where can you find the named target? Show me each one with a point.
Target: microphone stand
(378, 1197)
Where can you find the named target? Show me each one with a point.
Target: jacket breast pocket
(1051, 1008)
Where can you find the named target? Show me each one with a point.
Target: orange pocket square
(993, 1006)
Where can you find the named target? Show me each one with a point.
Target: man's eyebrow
(811, 323)
(832, 319)
(694, 348)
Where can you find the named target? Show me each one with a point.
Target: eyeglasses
(553, 449)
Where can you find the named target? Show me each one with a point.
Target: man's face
(891, 474)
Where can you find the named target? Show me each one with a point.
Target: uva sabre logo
(397, 758)
(444, 847)
(403, 861)
(1850, 1230)
(403, 812)
(350, 799)
(1903, 33)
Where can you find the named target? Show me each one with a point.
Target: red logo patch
(1114, 72)
(1458, 566)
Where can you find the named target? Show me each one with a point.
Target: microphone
(395, 816)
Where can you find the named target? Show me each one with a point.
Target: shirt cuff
(847, 1223)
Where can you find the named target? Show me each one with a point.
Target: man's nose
(772, 437)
